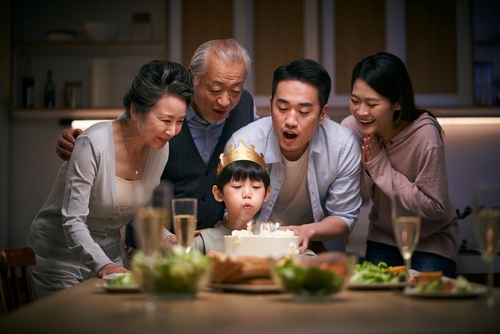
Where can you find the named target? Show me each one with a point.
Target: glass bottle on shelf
(28, 86)
(50, 91)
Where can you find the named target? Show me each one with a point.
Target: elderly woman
(76, 234)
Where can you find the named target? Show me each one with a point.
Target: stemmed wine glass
(486, 208)
(405, 210)
(185, 211)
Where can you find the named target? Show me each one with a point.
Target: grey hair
(156, 79)
(227, 50)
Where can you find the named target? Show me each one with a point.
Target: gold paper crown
(241, 153)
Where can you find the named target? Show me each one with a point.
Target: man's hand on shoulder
(66, 143)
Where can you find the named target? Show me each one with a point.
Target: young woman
(402, 150)
(76, 234)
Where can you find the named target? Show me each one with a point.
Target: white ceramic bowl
(101, 31)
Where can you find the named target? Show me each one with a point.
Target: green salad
(176, 272)
(311, 280)
(458, 286)
(122, 280)
(367, 272)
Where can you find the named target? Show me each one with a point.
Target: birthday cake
(270, 242)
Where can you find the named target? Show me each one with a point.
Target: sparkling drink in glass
(152, 216)
(406, 225)
(184, 211)
(486, 208)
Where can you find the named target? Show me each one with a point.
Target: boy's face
(242, 198)
(296, 115)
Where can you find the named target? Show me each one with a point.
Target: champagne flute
(153, 215)
(406, 225)
(184, 211)
(486, 208)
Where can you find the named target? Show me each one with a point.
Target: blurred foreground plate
(112, 276)
(115, 287)
(376, 286)
(119, 288)
(478, 291)
(246, 287)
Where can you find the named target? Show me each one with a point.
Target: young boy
(243, 184)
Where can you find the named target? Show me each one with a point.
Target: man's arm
(66, 143)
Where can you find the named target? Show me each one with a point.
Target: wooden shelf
(83, 48)
(60, 113)
(473, 111)
(336, 113)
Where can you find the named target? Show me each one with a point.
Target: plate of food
(250, 288)
(120, 282)
(241, 273)
(368, 276)
(113, 276)
(444, 287)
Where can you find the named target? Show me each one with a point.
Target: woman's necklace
(136, 167)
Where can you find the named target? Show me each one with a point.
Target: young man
(314, 163)
(219, 69)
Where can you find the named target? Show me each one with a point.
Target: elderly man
(314, 163)
(219, 69)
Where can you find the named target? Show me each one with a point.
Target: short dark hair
(156, 79)
(387, 75)
(307, 71)
(241, 170)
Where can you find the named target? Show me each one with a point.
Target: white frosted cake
(269, 243)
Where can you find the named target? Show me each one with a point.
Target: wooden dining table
(88, 308)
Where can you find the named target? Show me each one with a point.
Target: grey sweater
(413, 160)
(80, 221)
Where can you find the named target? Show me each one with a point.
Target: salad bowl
(313, 278)
(172, 274)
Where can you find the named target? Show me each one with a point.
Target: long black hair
(387, 75)
(154, 80)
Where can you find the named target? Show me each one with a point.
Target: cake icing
(270, 242)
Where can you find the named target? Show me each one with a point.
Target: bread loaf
(244, 269)
(429, 276)
(396, 270)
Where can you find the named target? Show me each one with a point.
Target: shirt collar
(192, 116)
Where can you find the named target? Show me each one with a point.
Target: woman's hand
(111, 268)
(371, 148)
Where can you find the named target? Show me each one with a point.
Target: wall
(5, 63)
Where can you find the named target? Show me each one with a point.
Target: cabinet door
(204, 20)
(359, 32)
(431, 46)
(431, 37)
(279, 36)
